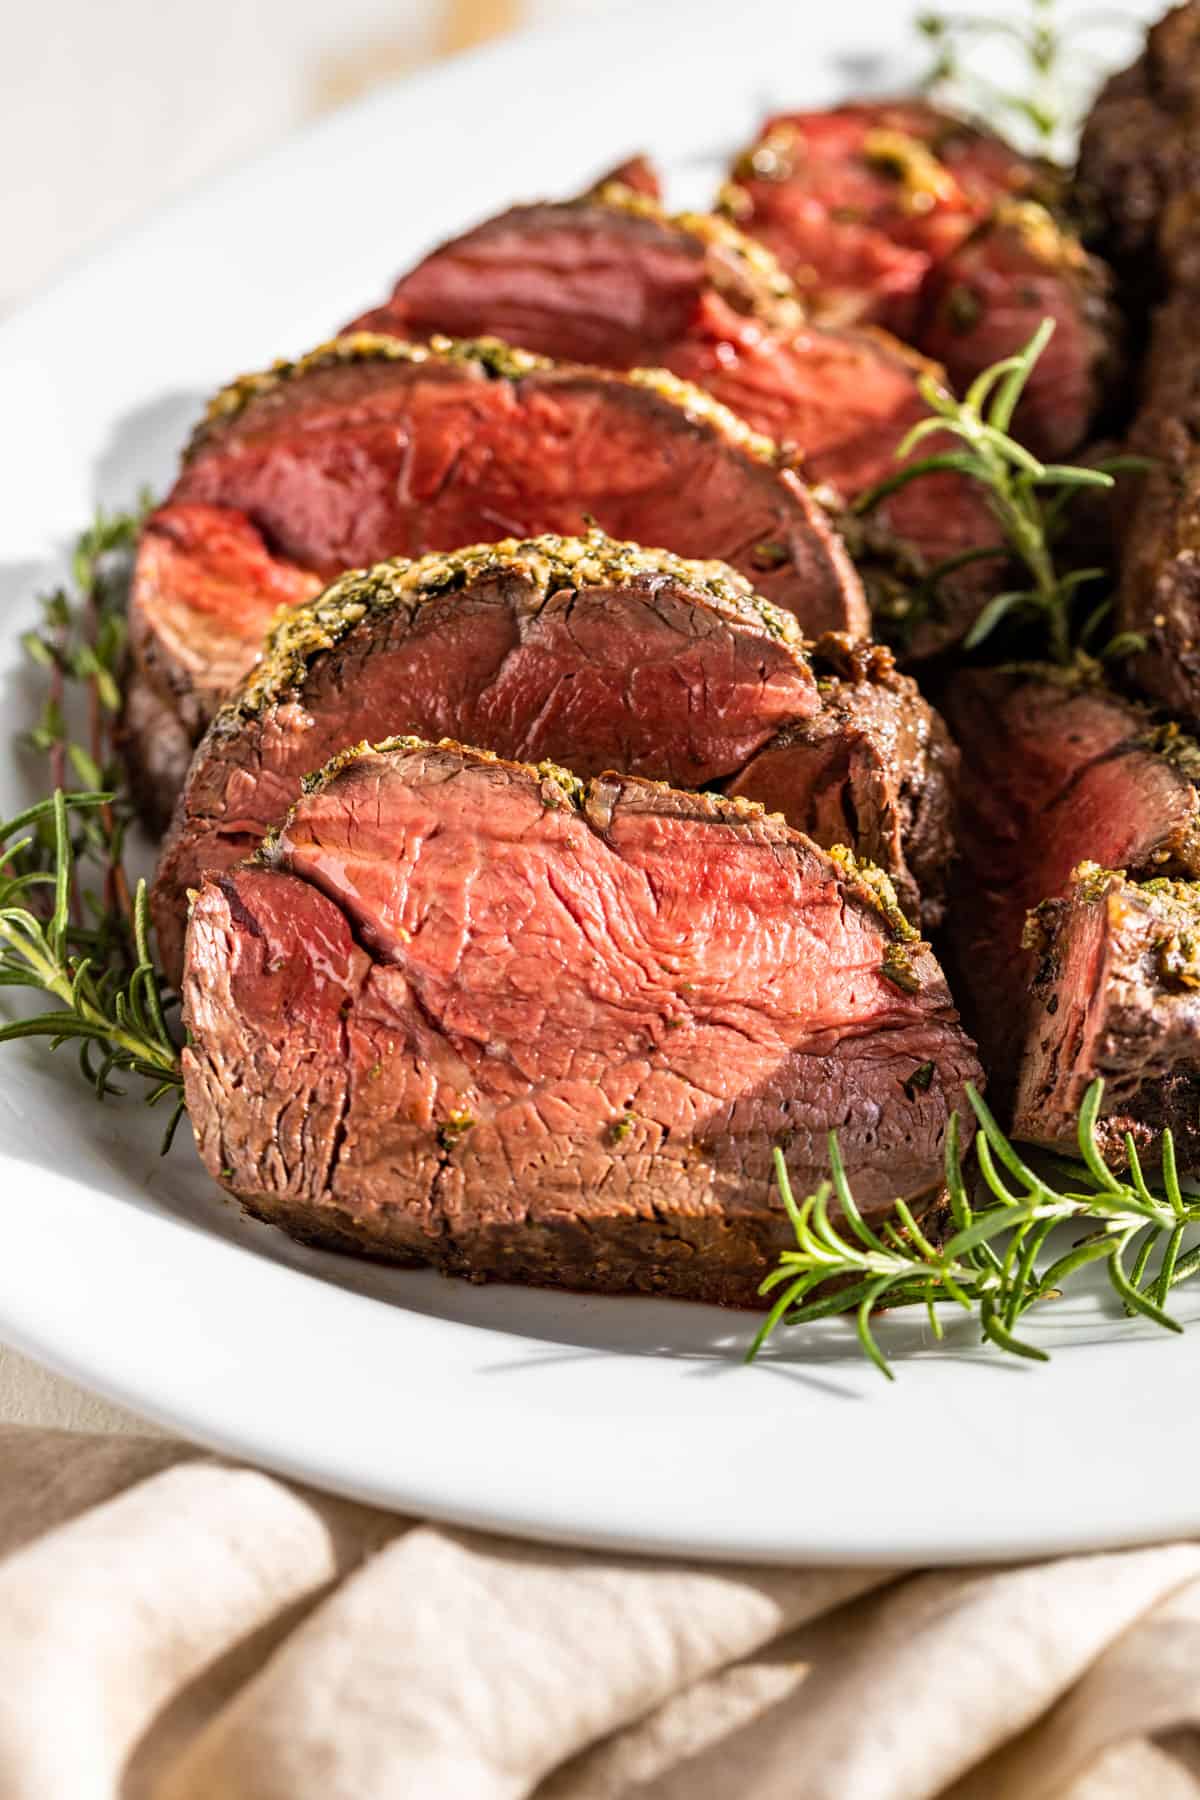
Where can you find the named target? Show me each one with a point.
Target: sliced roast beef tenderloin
(1054, 775)
(610, 654)
(372, 447)
(901, 214)
(859, 202)
(608, 278)
(485, 1016)
(1116, 995)
(613, 277)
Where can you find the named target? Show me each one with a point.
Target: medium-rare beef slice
(489, 1017)
(586, 277)
(609, 654)
(373, 447)
(860, 201)
(609, 278)
(899, 214)
(1116, 995)
(1054, 774)
(206, 589)
(847, 399)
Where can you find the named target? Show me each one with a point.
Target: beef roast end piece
(1115, 996)
(485, 1016)
(1055, 773)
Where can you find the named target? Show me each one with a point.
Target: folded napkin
(176, 1627)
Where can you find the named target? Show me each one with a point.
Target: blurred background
(109, 106)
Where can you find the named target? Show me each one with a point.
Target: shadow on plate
(143, 450)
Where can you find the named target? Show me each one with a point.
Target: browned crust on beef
(1139, 160)
(1056, 772)
(1115, 996)
(876, 767)
(1159, 593)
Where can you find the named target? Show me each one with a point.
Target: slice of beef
(609, 278)
(1055, 774)
(861, 201)
(372, 448)
(1116, 995)
(589, 649)
(485, 1016)
(615, 278)
(987, 298)
(900, 214)
(1159, 594)
(206, 590)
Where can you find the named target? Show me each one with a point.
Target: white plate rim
(124, 1290)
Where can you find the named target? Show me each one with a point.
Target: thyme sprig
(114, 1014)
(87, 951)
(990, 1264)
(1048, 52)
(81, 644)
(1028, 497)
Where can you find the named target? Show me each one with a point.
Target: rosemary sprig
(1028, 497)
(117, 1017)
(989, 1266)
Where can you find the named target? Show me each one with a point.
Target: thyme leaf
(991, 1266)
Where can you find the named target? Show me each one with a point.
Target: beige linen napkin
(175, 1627)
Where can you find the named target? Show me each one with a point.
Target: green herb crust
(549, 563)
(492, 359)
(1172, 904)
(490, 356)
